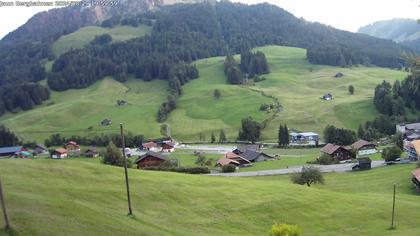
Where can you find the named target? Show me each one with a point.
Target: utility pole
(393, 208)
(130, 212)
(3, 205)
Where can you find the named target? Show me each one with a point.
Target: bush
(326, 160)
(391, 153)
(285, 230)
(308, 176)
(229, 169)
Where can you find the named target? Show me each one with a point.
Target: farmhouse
(150, 159)
(305, 137)
(11, 151)
(336, 151)
(364, 148)
(416, 178)
(151, 146)
(242, 148)
(39, 149)
(168, 147)
(72, 148)
(59, 153)
(327, 96)
(91, 152)
(253, 156)
(233, 159)
(413, 150)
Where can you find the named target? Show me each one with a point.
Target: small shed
(150, 159)
(327, 97)
(364, 163)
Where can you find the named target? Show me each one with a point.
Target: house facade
(59, 153)
(364, 148)
(73, 149)
(338, 152)
(150, 159)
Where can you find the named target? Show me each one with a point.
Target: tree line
(102, 140)
(7, 137)
(252, 65)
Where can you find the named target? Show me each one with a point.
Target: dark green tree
(308, 176)
(250, 130)
(222, 136)
(351, 89)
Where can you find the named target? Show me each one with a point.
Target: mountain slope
(399, 30)
(83, 197)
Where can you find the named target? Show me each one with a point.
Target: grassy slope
(296, 83)
(84, 35)
(75, 197)
(79, 109)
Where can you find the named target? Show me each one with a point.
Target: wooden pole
(3, 205)
(130, 212)
(393, 208)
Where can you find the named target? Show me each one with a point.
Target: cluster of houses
(411, 135)
(344, 153)
(163, 146)
(244, 156)
(72, 149)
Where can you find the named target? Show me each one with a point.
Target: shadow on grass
(8, 232)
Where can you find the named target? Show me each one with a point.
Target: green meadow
(82, 197)
(297, 84)
(84, 35)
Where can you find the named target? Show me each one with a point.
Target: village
(245, 157)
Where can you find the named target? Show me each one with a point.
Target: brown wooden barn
(150, 159)
(336, 151)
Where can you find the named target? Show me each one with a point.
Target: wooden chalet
(39, 149)
(364, 148)
(151, 146)
(336, 151)
(72, 148)
(416, 178)
(168, 147)
(231, 158)
(150, 159)
(254, 156)
(59, 153)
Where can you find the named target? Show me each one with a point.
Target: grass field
(80, 109)
(297, 84)
(83, 36)
(82, 197)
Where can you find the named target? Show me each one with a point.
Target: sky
(342, 14)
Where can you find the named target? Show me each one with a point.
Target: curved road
(322, 168)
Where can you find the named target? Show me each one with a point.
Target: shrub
(113, 156)
(326, 160)
(285, 230)
(308, 176)
(228, 169)
(391, 153)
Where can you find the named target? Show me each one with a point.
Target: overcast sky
(343, 14)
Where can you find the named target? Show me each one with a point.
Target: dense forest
(252, 65)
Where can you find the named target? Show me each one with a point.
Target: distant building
(73, 149)
(91, 152)
(408, 129)
(338, 152)
(304, 137)
(253, 156)
(40, 149)
(231, 158)
(327, 96)
(150, 159)
(242, 148)
(59, 153)
(11, 151)
(151, 146)
(364, 148)
(168, 147)
(364, 163)
(413, 150)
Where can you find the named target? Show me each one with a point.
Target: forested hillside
(180, 34)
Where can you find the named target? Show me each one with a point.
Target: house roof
(149, 145)
(14, 149)
(416, 174)
(243, 148)
(226, 161)
(416, 145)
(413, 126)
(330, 148)
(361, 143)
(150, 153)
(233, 156)
(170, 144)
(364, 160)
(61, 150)
(413, 136)
(72, 143)
(308, 134)
(251, 155)
(41, 146)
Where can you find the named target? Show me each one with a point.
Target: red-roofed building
(338, 152)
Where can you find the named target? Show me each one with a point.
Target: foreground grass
(74, 197)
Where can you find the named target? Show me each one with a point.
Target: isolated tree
(213, 138)
(201, 160)
(351, 89)
(391, 153)
(285, 230)
(217, 94)
(308, 176)
(222, 136)
(250, 130)
(283, 136)
(113, 156)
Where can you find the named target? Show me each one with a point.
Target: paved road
(216, 149)
(329, 168)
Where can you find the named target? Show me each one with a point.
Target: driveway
(322, 168)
